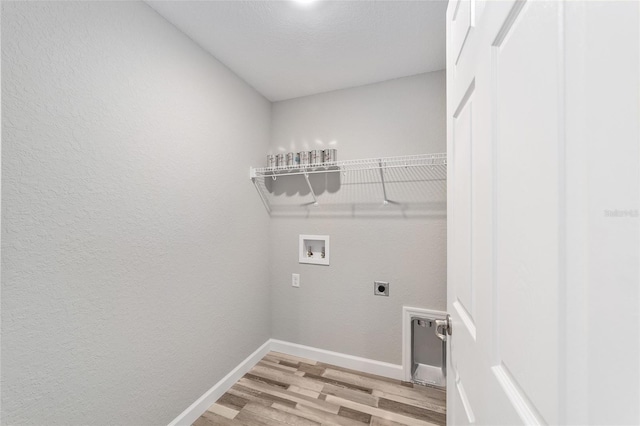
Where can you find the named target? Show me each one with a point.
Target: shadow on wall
(297, 185)
(410, 192)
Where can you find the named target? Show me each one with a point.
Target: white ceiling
(286, 49)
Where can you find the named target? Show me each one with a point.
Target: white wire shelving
(380, 171)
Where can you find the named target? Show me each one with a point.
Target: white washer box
(314, 249)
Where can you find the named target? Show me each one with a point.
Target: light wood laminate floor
(286, 390)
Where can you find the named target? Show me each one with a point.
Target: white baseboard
(195, 410)
(366, 365)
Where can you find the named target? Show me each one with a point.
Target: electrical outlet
(295, 280)
(381, 288)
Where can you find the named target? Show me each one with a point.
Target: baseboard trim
(195, 410)
(366, 365)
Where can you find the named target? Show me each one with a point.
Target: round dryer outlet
(380, 288)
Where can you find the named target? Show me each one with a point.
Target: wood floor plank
(350, 394)
(277, 366)
(411, 411)
(285, 377)
(358, 416)
(396, 389)
(377, 421)
(303, 391)
(211, 419)
(435, 393)
(318, 415)
(363, 389)
(253, 419)
(223, 411)
(316, 370)
(426, 402)
(283, 389)
(280, 417)
(259, 397)
(389, 415)
(290, 364)
(360, 373)
(271, 358)
(266, 380)
(234, 402)
(300, 399)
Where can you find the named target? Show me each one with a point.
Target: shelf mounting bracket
(262, 197)
(313, 194)
(385, 201)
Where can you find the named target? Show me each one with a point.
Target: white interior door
(523, 230)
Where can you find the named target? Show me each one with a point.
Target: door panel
(462, 160)
(461, 24)
(463, 413)
(504, 214)
(543, 137)
(527, 210)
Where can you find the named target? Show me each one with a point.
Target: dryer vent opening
(428, 354)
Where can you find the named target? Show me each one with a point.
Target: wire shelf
(387, 181)
(439, 159)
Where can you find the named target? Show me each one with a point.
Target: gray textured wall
(335, 308)
(128, 282)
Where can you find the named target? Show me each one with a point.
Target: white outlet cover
(295, 280)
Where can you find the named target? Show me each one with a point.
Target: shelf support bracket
(262, 197)
(384, 188)
(313, 194)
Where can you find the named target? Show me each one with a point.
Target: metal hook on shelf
(274, 177)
